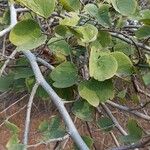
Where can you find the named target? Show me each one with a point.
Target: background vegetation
(83, 68)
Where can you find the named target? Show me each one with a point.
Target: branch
(54, 97)
(49, 141)
(113, 119)
(13, 20)
(7, 61)
(121, 37)
(124, 108)
(57, 101)
(28, 114)
(141, 144)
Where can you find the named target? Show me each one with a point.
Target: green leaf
(61, 30)
(22, 72)
(29, 34)
(54, 130)
(102, 66)
(104, 38)
(43, 8)
(43, 126)
(13, 143)
(95, 91)
(12, 127)
(88, 140)
(6, 83)
(145, 16)
(105, 124)
(83, 110)
(100, 14)
(146, 78)
(64, 75)
(70, 5)
(126, 48)
(19, 85)
(5, 19)
(59, 45)
(135, 132)
(125, 7)
(143, 32)
(125, 66)
(89, 33)
(122, 94)
(71, 20)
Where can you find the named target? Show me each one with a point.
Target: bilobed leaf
(124, 47)
(29, 34)
(6, 83)
(125, 66)
(43, 126)
(143, 32)
(24, 72)
(54, 130)
(71, 20)
(104, 38)
(83, 110)
(89, 33)
(102, 66)
(134, 132)
(125, 7)
(95, 91)
(146, 78)
(13, 143)
(12, 127)
(64, 75)
(91, 9)
(105, 124)
(61, 30)
(145, 16)
(100, 14)
(59, 45)
(70, 5)
(43, 8)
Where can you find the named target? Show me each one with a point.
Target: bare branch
(13, 20)
(49, 141)
(113, 119)
(141, 45)
(28, 114)
(57, 101)
(141, 144)
(124, 108)
(7, 61)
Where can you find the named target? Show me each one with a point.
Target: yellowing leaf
(125, 7)
(29, 34)
(95, 91)
(64, 75)
(70, 5)
(43, 8)
(102, 66)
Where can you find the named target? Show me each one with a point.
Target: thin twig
(124, 108)
(28, 114)
(141, 144)
(7, 61)
(13, 20)
(113, 119)
(13, 104)
(115, 139)
(49, 141)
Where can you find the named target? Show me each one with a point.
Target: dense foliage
(97, 49)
